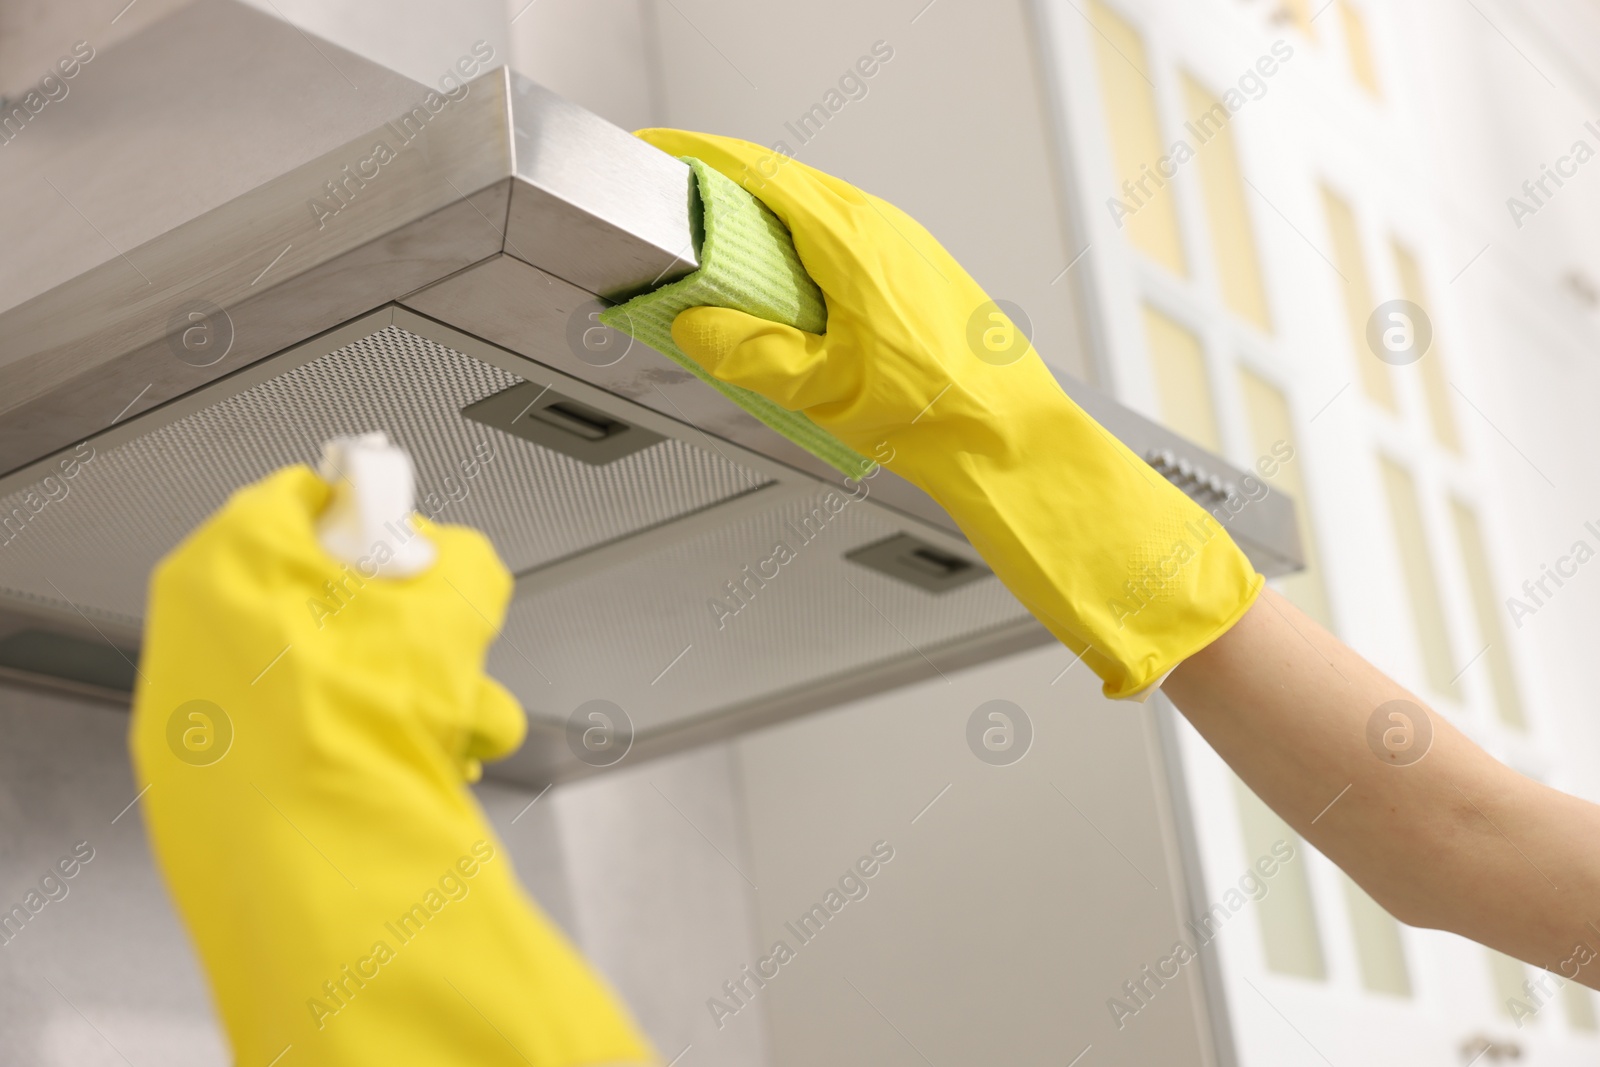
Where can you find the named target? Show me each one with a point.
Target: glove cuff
(1112, 558)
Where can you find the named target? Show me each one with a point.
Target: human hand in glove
(917, 362)
(306, 731)
(1122, 567)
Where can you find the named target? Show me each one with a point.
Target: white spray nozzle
(368, 522)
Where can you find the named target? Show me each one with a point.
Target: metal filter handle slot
(918, 563)
(539, 414)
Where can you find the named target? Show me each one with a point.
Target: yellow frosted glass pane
(1416, 561)
(1299, 13)
(1358, 305)
(1580, 1007)
(1359, 47)
(1508, 975)
(1129, 99)
(1233, 244)
(1435, 385)
(1287, 914)
(1485, 604)
(1379, 951)
(1271, 433)
(1181, 382)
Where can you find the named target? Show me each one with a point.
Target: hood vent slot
(918, 563)
(539, 414)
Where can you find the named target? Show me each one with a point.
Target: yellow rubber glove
(306, 735)
(918, 364)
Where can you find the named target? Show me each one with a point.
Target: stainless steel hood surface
(192, 323)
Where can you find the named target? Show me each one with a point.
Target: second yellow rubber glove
(918, 363)
(305, 732)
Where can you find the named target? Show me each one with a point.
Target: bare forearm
(1454, 840)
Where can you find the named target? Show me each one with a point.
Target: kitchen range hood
(230, 242)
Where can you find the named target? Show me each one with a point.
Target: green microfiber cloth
(748, 263)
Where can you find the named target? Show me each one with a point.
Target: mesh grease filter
(641, 633)
(92, 546)
(645, 636)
